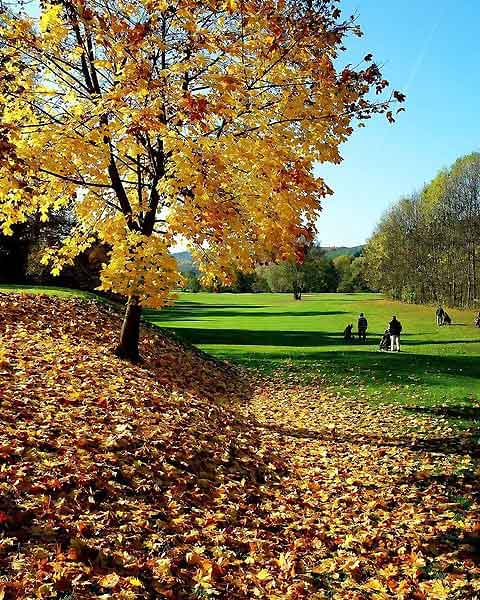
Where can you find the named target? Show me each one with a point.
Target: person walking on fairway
(439, 315)
(362, 328)
(395, 328)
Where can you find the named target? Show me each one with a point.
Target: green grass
(438, 368)
(50, 290)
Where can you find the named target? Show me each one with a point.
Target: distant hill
(334, 251)
(186, 264)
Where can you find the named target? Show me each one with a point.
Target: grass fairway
(438, 366)
(438, 369)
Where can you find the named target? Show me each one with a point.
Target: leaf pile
(178, 479)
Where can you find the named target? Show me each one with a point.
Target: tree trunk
(474, 275)
(130, 332)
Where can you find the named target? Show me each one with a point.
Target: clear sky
(430, 50)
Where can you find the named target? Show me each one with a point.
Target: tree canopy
(156, 120)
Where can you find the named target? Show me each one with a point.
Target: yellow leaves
(51, 23)
(4, 360)
(50, 16)
(224, 186)
(139, 265)
(373, 585)
(161, 567)
(326, 566)
(109, 581)
(286, 563)
(203, 577)
(435, 590)
(102, 64)
(263, 575)
(45, 591)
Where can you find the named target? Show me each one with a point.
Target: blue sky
(430, 50)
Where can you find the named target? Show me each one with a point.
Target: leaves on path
(175, 479)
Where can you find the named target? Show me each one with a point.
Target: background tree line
(21, 254)
(425, 249)
(21, 263)
(317, 273)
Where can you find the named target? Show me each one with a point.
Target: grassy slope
(50, 290)
(268, 331)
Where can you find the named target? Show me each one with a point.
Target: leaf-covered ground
(177, 479)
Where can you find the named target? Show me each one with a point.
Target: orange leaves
(196, 107)
(192, 478)
(366, 529)
(137, 34)
(176, 120)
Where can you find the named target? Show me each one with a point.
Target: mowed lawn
(438, 366)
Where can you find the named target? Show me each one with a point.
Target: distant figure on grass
(362, 328)
(439, 315)
(446, 319)
(348, 333)
(386, 341)
(395, 329)
(476, 322)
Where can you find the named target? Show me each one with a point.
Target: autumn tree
(157, 119)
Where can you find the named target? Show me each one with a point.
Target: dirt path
(385, 500)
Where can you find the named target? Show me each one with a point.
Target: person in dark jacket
(362, 328)
(439, 315)
(395, 329)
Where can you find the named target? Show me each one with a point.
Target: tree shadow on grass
(245, 337)
(282, 339)
(202, 305)
(439, 342)
(312, 351)
(469, 413)
(465, 444)
(193, 313)
(367, 366)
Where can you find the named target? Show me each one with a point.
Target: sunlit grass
(438, 366)
(272, 332)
